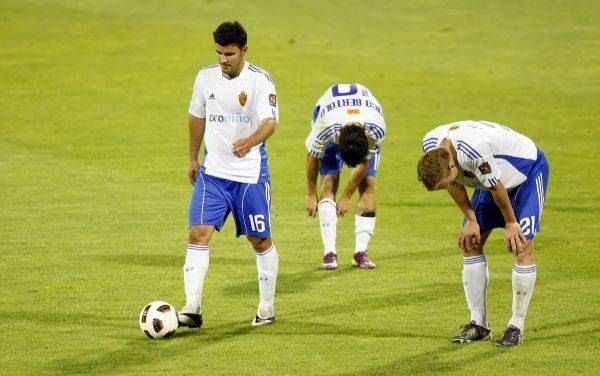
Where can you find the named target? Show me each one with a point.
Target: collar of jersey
(243, 71)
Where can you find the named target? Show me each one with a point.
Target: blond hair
(433, 167)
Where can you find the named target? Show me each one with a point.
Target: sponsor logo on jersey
(211, 96)
(485, 168)
(229, 118)
(273, 100)
(454, 127)
(243, 98)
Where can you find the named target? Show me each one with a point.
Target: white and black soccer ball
(158, 320)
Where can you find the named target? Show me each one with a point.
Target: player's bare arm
(197, 127)
(469, 234)
(515, 240)
(358, 174)
(312, 172)
(242, 146)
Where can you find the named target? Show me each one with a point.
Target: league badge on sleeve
(243, 98)
(273, 100)
(485, 168)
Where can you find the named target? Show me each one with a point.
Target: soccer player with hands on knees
(233, 110)
(347, 128)
(510, 177)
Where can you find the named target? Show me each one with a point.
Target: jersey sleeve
(480, 161)
(375, 135)
(198, 102)
(267, 105)
(431, 141)
(320, 136)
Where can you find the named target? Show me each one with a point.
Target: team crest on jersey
(485, 168)
(243, 98)
(273, 100)
(454, 127)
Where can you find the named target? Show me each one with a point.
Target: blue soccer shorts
(332, 163)
(214, 198)
(527, 201)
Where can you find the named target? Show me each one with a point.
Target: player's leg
(331, 165)
(528, 205)
(475, 277)
(252, 213)
(327, 211)
(267, 261)
(208, 210)
(364, 222)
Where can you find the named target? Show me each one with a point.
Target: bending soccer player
(510, 177)
(347, 127)
(234, 110)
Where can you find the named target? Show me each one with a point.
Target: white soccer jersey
(233, 109)
(487, 152)
(342, 104)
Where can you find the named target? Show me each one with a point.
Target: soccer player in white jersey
(510, 177)
(347, 127)
(234, 110)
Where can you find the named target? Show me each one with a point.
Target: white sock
(327, 210)
(475, 281)
(364, 229)
(523, 282)
(194, 271)
(266, 264)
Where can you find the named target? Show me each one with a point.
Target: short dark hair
(353, 144)
(231, 33)
(433, 167)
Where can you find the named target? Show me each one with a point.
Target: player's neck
(447, 144)
(236, 73)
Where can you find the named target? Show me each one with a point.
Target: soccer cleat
(361, 259)
(263, 311)
(190, 317)
(473, 332)
(512, 337)
(329, 261)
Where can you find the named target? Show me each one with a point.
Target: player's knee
(525, 256)
(260, 245)
(200, 235)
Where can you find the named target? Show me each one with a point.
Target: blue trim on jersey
(523, 165)
(264, 175)
(429, 145)
(326, 133)
(493, 181)
(467, 149)
(376, 129)
(316, 113)
(258, 70)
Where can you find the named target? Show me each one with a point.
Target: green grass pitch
(94, 192)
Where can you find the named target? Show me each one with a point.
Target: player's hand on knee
(515, 240)
(311, 204)
(469, 235)
(192, 171)
(343, 205)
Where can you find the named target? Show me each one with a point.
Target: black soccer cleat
(512, 337)
(473, 332)
(189, 317)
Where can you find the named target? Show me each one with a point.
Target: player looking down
(347, 127)
(510, 177)
(233, 110)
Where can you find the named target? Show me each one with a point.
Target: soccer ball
(158, 320)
